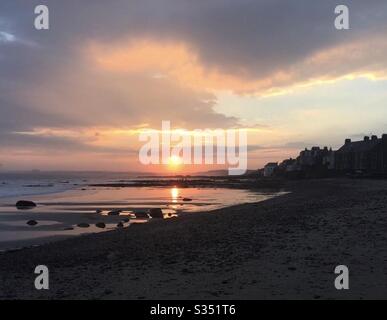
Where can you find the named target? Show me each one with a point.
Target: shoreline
(58, 215)
(54, 239)
(284, 247)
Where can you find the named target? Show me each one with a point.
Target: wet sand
(55, 213)
(285, 247)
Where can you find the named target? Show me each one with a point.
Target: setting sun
(175, 161)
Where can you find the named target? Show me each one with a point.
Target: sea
(68, 204)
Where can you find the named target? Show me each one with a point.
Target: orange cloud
(180, 62)
(173, 60)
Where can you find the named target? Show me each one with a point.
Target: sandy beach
(282, 248)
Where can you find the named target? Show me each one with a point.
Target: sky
(76, 96)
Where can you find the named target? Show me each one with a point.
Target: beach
(286, 247)
(84, 209)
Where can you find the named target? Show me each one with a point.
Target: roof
(359, 146)
(272, 164)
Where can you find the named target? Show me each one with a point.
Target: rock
(120, 225)
(68, 228)
(156, 213)
(83, 225)
(100, 225)
(98, 211)
(24, 204)
(141, 214)
(125, 220)
(187, 199)
(32, 223)
(114, 213)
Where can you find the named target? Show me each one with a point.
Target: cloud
(180, 63)
(249, 40)
(49, 144)
(116, 66)
(172, 60)
(6, 37)
(92, 97)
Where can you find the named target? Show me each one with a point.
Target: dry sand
(286, 247)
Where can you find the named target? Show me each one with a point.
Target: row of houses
(368, 157)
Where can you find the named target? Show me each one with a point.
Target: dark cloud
(247, 36)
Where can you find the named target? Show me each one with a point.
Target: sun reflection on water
(175, 194)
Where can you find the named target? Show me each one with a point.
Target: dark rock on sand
(98, 211)
(32, 223)
(156, 213)
(120, 225)
(142, 214)
(68, 228)
(83, 225)
(125, 220)
(114, 213)
(24, 204)
(101, 225)
(187, 199)
(107, 291)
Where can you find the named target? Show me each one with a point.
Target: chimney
(366, 138)
(347, 141)
(374, 138)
